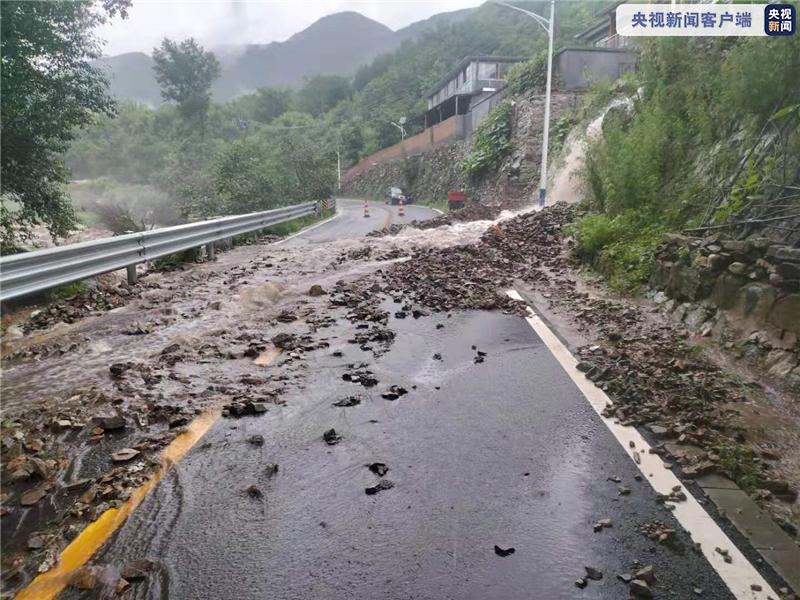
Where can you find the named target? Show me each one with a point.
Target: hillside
(131, 77)
(334, 45)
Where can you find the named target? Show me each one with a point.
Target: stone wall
(430, 175)
(743, 293)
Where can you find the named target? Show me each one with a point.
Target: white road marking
(739, 574)
(307, 229)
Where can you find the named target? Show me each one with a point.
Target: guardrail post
(210, 251)
(133, 277)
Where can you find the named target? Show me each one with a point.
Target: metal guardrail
(30, 272)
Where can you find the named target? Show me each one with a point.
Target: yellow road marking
(49, 584)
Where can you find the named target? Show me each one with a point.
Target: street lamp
(547, 25)
(400, 125)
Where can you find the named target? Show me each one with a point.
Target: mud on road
(90, 404)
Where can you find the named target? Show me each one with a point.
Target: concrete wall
(447, 131)
(578, 67)
(480, 107)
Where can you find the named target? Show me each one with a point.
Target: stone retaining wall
(431, 174)
(743, 293)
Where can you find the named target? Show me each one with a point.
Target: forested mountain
(334, 45)
(238, 162)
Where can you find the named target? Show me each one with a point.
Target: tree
(185, 73)
(321, 93)
(269, 103)
(50, 91)
(352, 142)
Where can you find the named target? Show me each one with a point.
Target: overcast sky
(221, 22)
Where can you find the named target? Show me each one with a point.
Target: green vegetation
(49, 91)
(530, 75)
(185, 73)
(701, 147)
(67, 291)
(491, 142)
(739, 463)
(258, 151)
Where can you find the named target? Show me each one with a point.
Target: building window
(626, 68)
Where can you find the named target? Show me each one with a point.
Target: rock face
(743, 293)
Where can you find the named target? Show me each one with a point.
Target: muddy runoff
(100, 388)
(98, 409)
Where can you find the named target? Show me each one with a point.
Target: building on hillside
(599, 53)
(466, 85)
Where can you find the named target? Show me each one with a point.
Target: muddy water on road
(248, 285)
(476, 459)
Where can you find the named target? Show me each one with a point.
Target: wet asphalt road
(504, 452)
(351, 222)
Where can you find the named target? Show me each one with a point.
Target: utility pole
(548, 25)
(339, 170)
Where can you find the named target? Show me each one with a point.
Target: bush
(528, 75)
(595, 232)
(620, 248)
(491, 142)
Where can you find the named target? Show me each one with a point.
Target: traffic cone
(366, 209)
(401, 211)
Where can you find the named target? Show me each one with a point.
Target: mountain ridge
(335, 44)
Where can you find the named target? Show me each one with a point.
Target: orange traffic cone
(366, 209)
(401, 211)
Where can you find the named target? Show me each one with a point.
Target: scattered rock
(125, 454)
(380, 469)
(118, 369)
(109, 422)
(504, 551)
(602, 524)
(316, 290)
(348, 401)
(256, 439)
(331, 437)
(646, 574)
(122, 585)
(84, 579)
(394, 392)
(178, 421)
(593, 573)
(383, 484)
(255, 492)
(137, 570)
(35, 542)
(32, 497)
(640, 589)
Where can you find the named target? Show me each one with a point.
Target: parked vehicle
(395, 194)
(456, 199)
